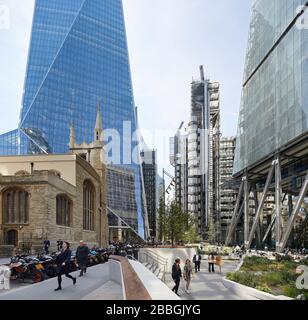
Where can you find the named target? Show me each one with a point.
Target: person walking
(176, 275)
(59, 245)
(46, 246)
(197, 261)
(187, 274)
(211, 263)
(219, 262)
(63, 262)
(82, 254)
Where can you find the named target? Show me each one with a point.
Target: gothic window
(64, 211)
(88, 206)
(15, 206)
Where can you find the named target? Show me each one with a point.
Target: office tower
(227, 196)
(203, 154)
(78, 55)
(178, 159)
(274, 102)
(149, 169)
(271, 155)
(121, 198)
(194, 153)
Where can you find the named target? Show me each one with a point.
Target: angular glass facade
(78, 55)
(274, 106)
(9, 143)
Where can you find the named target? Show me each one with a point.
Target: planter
(244, 291)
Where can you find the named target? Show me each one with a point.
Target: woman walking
(219, 262)
(211, 263)
(187, 274)
(63, 263)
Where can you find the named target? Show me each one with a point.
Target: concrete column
(290, 209)
(246, 210)
(278, 193)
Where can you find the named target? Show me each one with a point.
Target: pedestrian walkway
(208, 286)
(4, 261)
(95, 285)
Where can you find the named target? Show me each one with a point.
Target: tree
(192, 235)
(177, 223)
(211, 231)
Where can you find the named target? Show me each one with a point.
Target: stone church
(55, 197)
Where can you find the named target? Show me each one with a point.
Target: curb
(244, 291)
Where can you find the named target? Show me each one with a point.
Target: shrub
(244, 278)
(264, 288)
(283, 258)
(256, 264)
(291, 291)
(304, 262)
(273, 279)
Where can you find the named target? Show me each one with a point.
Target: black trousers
(60, 278)
(83, 269)
(197, 265)
(177, 285)
(211, 267)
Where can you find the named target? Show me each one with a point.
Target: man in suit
(197, 261)
(176, 275)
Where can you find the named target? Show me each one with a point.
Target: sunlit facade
(78, 55)
(274, 106)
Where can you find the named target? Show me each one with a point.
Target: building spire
(72, 136)
(99, 123)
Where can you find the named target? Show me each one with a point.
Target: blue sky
(168, 40)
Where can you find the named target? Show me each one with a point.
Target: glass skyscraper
(78, 55)
(274, 106)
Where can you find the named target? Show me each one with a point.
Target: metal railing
(156, 260)
(130, 257)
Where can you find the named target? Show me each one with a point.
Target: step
(154, 269)
(161, 275)
(147, 265)
(157, 272)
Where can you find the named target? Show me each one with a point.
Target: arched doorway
(12, 238)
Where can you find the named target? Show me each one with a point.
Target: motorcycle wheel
(38, 276)
(14, 277)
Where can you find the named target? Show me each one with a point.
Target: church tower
(94, 154)
(98, 125)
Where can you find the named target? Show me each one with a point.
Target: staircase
(155, 263)
(154, 268)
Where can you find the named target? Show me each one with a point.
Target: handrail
(158, 260)
(157, 256)
(129, 257)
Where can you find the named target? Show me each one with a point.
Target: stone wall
(6, 251)
(43, 188)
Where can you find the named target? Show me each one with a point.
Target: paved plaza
(94, 286)
(208, 286)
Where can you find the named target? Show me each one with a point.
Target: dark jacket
(176, 272)
(197, 258)
(46, 244)
(82, 255)
(64, 257)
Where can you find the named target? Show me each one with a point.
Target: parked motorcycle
(26, 268)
